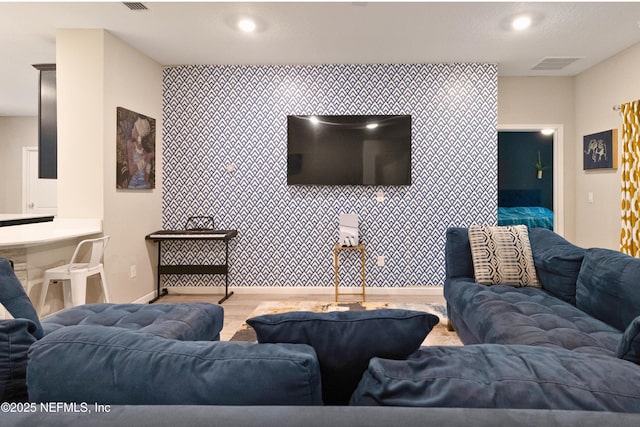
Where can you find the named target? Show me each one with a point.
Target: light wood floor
(238, 307)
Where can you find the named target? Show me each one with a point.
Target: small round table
(336, 250)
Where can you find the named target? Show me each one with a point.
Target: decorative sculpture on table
(348, 230)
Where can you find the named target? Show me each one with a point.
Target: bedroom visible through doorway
(526, 178)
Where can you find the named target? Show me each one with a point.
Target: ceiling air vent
(553, 63)
(135, 5)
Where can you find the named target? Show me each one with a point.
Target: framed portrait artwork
(136, 151)
(600, 150)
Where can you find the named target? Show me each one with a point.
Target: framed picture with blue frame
(600, 150)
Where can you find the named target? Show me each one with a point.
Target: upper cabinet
(47, 122)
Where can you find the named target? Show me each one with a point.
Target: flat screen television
(349, 150)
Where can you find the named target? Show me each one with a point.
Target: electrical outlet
(132, 271)
(380, 260)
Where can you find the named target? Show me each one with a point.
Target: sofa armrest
(502, 376)
(458, 260)
(16, 336)
(120, 366)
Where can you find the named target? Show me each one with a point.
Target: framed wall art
(600, 150)
(136, 150)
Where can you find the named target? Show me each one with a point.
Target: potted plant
(539, 167)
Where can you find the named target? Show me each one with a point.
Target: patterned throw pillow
(502, 256)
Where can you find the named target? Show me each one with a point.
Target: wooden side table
(336, 250)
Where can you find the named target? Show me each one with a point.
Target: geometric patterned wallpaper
(219, 115)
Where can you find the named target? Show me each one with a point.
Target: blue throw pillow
(345, 341)
(16, 336)
(458, 260)
(629, 347)
(557, 263)
(14, 298)
(607, 287)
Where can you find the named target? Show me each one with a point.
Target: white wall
(80, 91)
(15, 133)
(540, 101)
(96, 72)
(133, 81)
(612, 82)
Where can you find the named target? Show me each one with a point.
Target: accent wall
(220, 116)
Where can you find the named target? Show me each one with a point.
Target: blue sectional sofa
(570, 344)
(535, 356)
(138, 354)
(587, 298)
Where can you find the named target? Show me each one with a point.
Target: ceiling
(319, 32)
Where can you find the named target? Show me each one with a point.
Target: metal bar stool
(74, 275)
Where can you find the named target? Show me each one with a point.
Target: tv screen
(349, 150)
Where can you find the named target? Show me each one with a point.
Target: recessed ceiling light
(372, 125)
(247, 25)
(314, 120)
(521, 23)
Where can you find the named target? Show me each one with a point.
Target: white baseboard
(145, 299)
(300, 290)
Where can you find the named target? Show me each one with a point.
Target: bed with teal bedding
(523, 207)
(531, 216)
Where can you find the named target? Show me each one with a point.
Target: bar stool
(74, 275)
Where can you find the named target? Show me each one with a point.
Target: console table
(191, 235)
(336, 250)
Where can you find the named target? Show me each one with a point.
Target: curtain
(630, 234)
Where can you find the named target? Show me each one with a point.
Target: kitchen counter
(59, 229)
(8, 220)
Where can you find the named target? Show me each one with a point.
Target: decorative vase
(539, 173)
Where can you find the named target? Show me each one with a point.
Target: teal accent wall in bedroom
(517, 153)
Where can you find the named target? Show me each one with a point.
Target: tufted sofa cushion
(500, 376)
(186, 322)
(507, 315)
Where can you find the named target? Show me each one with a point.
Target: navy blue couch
(587, 300)
(535, 360)
(138, 354)
(571, 344)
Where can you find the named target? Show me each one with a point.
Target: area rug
(439, 335)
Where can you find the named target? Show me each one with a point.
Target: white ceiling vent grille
(135, 5)
(554, 63)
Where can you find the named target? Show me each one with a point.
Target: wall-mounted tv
(349, 150)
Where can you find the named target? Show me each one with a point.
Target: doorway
(530, 176)
(39, 196)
